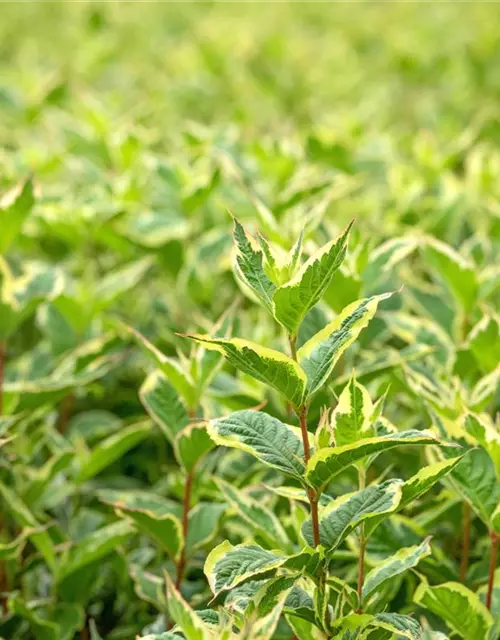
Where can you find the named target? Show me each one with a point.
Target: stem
(495, 539)
(65, 412)
(305, 433)
(302, 416)
(311, 494)
(362, 546)
(292, 339)
(466, 522)
(181, 564)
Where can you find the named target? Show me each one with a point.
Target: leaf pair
(298, 381)
(290, 302)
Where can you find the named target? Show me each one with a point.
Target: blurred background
(143, 125)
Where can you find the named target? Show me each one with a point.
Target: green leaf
(395, 623)
(484, 391)
(23, 516)
(487, 435)
(394, 565)
(293, 300)
(268, 439)
(163, 404)
(459, 607)
(44, 629)
(111, 449)
(179, 379)
(425, 479)
(266, 365)
(193, 628)
(385, 257)
(344, 514)
(151, 514)
(484, 342)
(203, 526)
(119, 281)
(351, 419)
(263, 614)
(305, 630)
(191, 444)
(320, 354)
(149, 587)
(327, 463)
(403, 626)
(15, 207)
(250, 269)
(261, 519)
(228, 566)
(422, 331)
(456, 272)
(273, 591)
(475, 480)
(94, 547)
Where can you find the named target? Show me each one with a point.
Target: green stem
(466, 523)
(362, 546)
(495, 539)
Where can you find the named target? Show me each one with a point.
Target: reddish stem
(181, 564)
(302, 415)
(466, 523)
(66, 411)
(361, 569)
(495, 539)
(313, 498)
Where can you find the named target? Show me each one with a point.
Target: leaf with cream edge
(94, 547)
(351, 419)
(394, 565)
(458, 606)
(151, 514)
(425, 479)
(262, 620)
(193, 627)
(458, 273)
(23, 516)
(293, 300)
(344, 514)
(480, 428)
(111, 449)
(249, 267)
(15, 207)
(228, 566)
(266, 365)
(271, 441)
(321, 353)
(327, 463)
(261, 519)
(475, 479)
(362, 623)
(191, 444)
(179, 379)
(164, 405)
(483, 341)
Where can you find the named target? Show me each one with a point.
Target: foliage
(249, 331)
